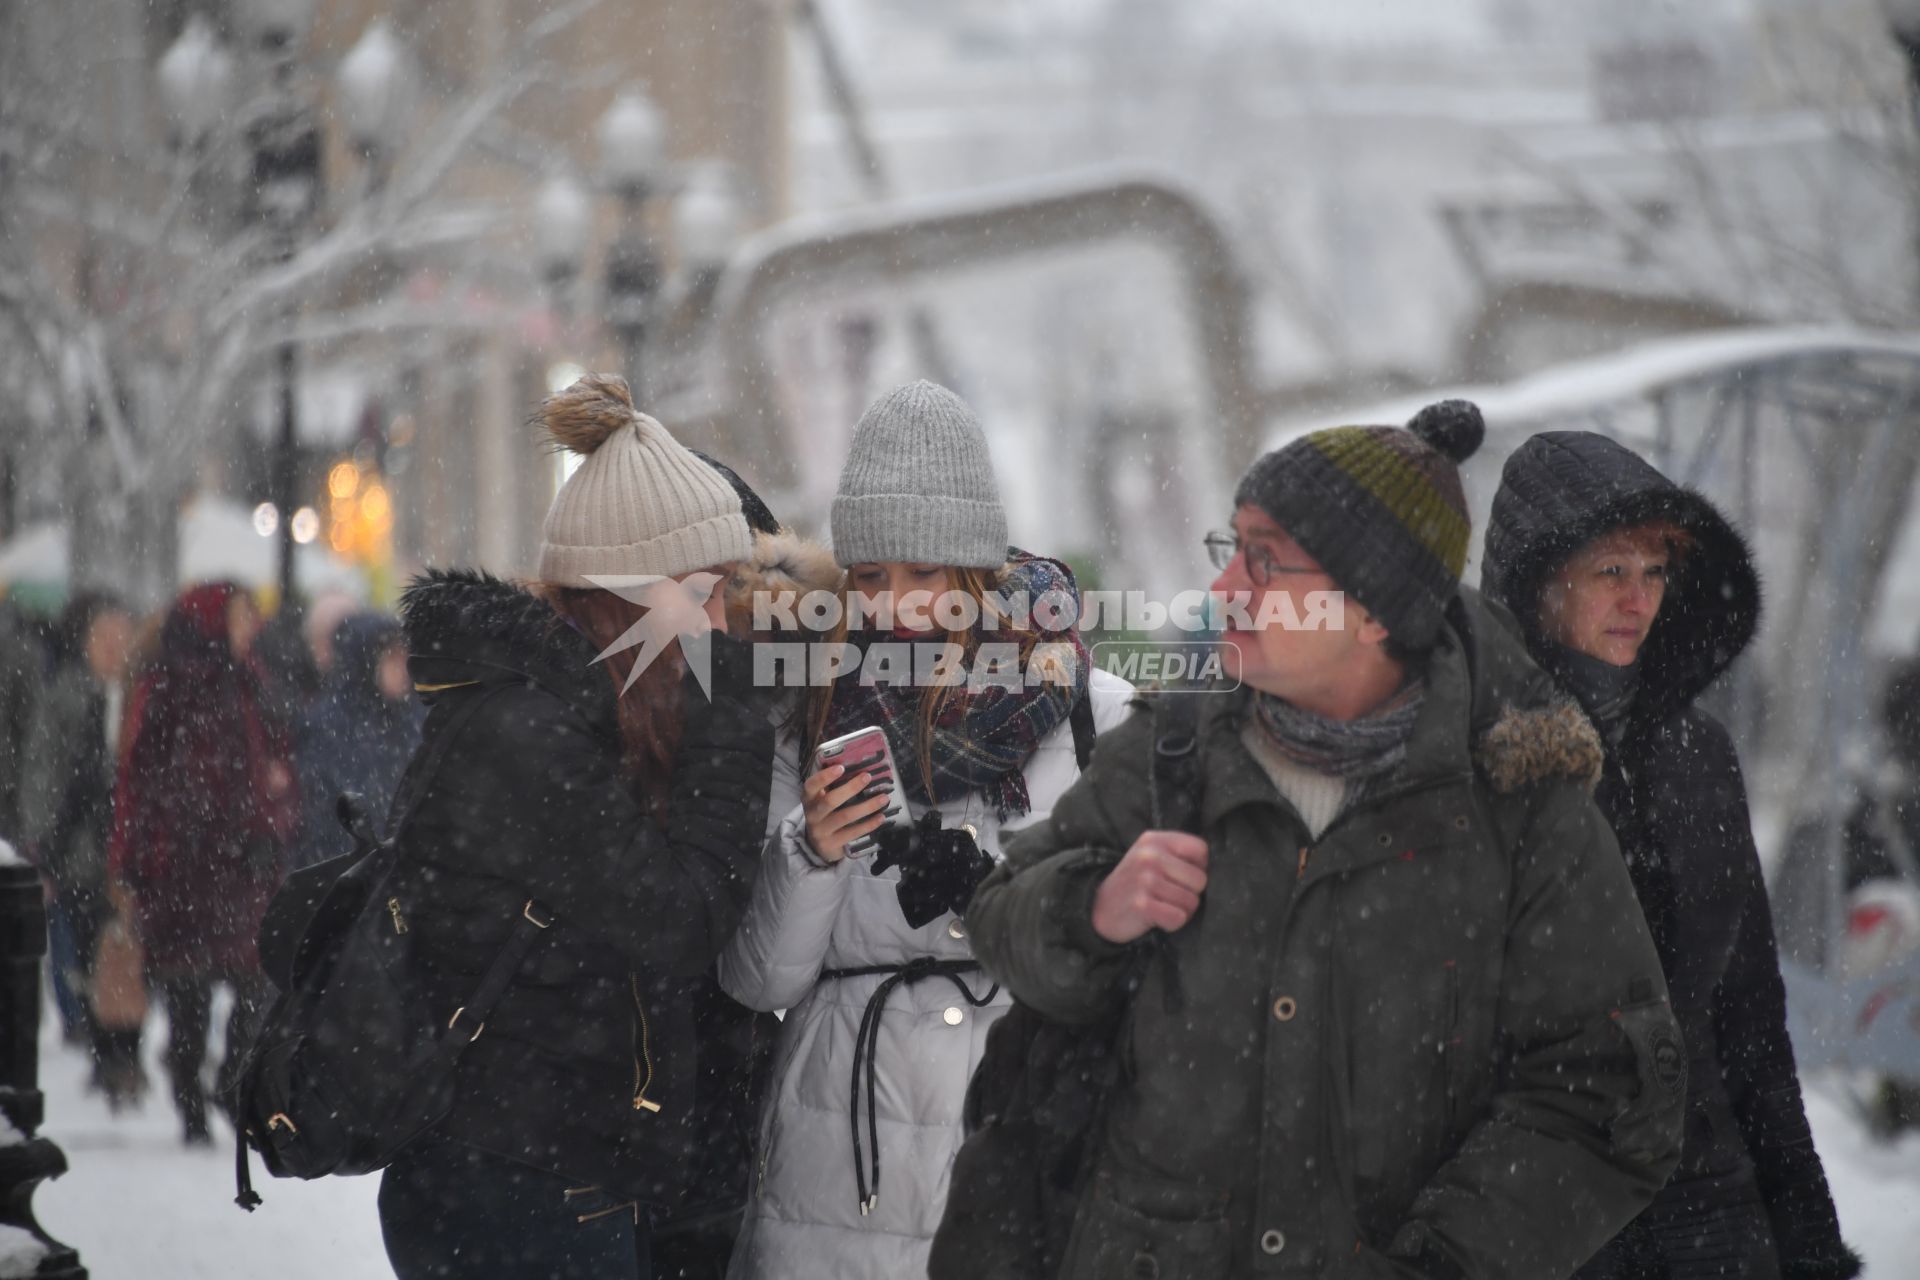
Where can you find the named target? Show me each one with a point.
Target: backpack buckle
(456, 1018)
(534, 920)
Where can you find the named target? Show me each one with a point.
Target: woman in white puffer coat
(861, 1127)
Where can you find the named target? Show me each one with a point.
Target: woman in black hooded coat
(1636, 594)
(357, 736)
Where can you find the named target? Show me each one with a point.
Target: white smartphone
(866, 751)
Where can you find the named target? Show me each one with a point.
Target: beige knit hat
(640, 502)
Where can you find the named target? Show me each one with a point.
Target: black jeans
(189, 1000)
(449, 1212)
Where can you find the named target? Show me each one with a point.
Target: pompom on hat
(640, 502)
(1381, 509)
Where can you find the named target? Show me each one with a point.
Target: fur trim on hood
(784, 566)
(1524, 747)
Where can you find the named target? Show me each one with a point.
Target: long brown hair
(935, 698)
(650, 713)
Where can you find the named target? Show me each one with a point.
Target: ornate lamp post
(562, 225)
(284, 192)
(195, 78)
(707, 220)
(374, 91)
(633, 146)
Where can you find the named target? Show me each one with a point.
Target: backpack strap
(1084, 730)
(535, 919)
(470, 1019)
(1173, 784)
(1174, 772)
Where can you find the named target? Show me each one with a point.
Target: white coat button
(1272, 1242)
(953, 1016)
(955, 929)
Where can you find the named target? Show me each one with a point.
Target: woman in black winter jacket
(1637, 594)
(592, 785)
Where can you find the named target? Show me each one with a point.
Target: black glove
(939, 868)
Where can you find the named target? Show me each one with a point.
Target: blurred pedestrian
(66, 789)
(620, 797)
(205, 806)
(323, 614)
(851, 944)
(1387, 1008)
(1880, 846)
(356, 737)
(286, 666)
(1636, 595)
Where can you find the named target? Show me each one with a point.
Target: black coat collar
(465, 626)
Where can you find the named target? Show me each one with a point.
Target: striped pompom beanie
(1381, 509)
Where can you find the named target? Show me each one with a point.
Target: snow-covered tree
(141, 307)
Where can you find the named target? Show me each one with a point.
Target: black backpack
(352, 1062)
(1034, 1107)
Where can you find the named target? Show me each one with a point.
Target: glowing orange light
(344, 480)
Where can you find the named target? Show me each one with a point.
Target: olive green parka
(1433, 1042)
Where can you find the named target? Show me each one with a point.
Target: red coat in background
(205, 801)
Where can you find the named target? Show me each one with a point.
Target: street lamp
(633, 150)
(195, 75)
(195, 79)
(375, 94)
(633, 145)
(707, 220)
(562, 224)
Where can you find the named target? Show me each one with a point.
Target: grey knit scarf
(1364, 751)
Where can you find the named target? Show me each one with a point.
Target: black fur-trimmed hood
(1560, 490)
(465, 626)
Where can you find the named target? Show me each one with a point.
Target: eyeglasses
(1222, 547)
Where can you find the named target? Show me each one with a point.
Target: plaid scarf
(982, 739)
(1363, 752)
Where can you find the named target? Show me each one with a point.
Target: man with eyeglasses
(1391, 1010)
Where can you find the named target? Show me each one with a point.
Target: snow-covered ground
(137, 1204)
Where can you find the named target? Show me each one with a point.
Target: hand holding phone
(852, 792)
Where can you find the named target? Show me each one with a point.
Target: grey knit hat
(918, 486)
(640, 502)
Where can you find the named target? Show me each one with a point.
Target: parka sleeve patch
(1661, 1063)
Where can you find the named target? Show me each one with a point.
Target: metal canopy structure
(735, 405)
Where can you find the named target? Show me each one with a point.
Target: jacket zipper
(399, 921)
(642, 1052)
